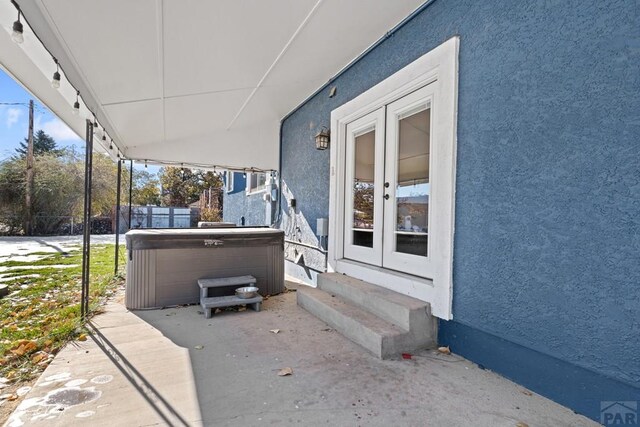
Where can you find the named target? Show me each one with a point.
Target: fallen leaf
(275, 331)
(406, 356)
(242, 308)
(199, 347)
(39, 357)
(521, 424)
(82, 337)
(444, 350)
(526, 392)
(12, 397)
(285, 371)
(25, 347)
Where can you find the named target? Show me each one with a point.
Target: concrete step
(406, 312)
(380, 337)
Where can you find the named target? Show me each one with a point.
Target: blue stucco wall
(547, 233)
(547, 237)
(237, 204)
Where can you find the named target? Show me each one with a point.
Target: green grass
(45, 315)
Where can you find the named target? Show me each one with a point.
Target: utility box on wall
(322, 227)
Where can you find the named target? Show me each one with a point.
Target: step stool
(209, 304)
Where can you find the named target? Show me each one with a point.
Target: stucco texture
(547, 237)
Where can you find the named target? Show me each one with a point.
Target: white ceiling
(205, 82)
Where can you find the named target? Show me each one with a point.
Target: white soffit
(202, 82)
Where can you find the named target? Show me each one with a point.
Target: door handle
(386, 197)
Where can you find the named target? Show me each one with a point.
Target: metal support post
(119, 181)
(86, 244)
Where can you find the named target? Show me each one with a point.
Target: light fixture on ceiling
(145, 164)
(76, 105)
(55, 82)
(322, 139)
(111, 144)
(18, 31)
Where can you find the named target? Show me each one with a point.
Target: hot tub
(164, 266)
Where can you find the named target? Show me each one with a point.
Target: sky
(14, 121)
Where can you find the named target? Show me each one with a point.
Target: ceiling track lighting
(18, 30)
(55, 82)
(111, 144)
(145, 164)
(76, 105)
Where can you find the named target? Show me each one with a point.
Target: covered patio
(247, 87)
(203, 85)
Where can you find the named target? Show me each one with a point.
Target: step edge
(405, 301)
(395, 329)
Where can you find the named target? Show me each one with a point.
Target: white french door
(363, 188)
(407, 198)
(388, 185)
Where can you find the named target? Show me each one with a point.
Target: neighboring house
(519, 123)
(243, 199)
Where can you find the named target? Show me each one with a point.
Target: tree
(57, 192)
(42, 144)
(146, 188)
(181, 187)
(363, 201)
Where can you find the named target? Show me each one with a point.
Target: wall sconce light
(322, 139)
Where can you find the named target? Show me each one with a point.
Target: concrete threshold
(174, 367)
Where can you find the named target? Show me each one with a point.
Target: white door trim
(439, 64)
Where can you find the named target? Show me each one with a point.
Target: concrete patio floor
(174, 367)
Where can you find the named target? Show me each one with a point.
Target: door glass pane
(412, 184)
(363, 189)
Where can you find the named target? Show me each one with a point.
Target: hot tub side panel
(141, 279)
